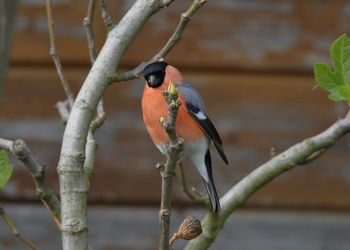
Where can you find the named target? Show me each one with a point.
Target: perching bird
(192, 124)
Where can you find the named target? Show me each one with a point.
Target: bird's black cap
(154, 74)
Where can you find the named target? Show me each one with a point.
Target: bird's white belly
(195, 151)
(191, 148)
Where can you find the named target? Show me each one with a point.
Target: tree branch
(193, 194)
(63, 110)
(14, 230)
(105, 14)
(239, 193)
(173, 40)
(55, 57)
(88, 20)
(91, 144)
(173, 156)
(74, 184)
(22, 152)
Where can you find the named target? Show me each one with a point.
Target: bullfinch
(192, 124)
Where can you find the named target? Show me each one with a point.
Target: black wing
(196, 108)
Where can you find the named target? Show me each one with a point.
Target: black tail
(210, 187)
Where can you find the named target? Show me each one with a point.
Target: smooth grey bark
(299, 154)
(74, 182)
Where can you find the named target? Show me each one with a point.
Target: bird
(192, 123)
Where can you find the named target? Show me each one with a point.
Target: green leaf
(334, 96)
(5, 175)
(336, 81)
(3, 158)
(324, 76)
(5, 168)
(344, 91)
(340, 53)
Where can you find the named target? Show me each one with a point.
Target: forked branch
(302, 152)
(22, 152)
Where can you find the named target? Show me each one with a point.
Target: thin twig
(74, 185)
(91, 144)
(173, 40)
(100, 116)
(168, 172)
(88, 21)
(63, 110)
(14, 230)
(194, 195)
(22, 152)
(305, 151)
(105, 14)
(55, 57)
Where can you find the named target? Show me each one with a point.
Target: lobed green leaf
(336, 81)
(5, 168)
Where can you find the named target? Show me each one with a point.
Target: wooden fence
(250, 60)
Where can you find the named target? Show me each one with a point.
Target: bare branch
(307, 150)
(14, 230)
(55, 57)
(176, 36)
(168, 172)
(22, 152)
(105, 14)
(173, 40)
(195, 196)
(88, 21)
(100, 116)
(63, 110)
(74, 185)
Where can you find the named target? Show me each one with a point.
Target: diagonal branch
(22, 152)
(14, 230)
(298, 154)
(173, 40)
(55, 57)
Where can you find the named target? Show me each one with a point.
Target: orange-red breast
(192, 124)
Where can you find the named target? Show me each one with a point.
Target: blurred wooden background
(250, 60)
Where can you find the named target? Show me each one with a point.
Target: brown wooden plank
(253, 112)
(257, 34)
(128, 228)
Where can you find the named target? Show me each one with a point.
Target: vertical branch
(55, 57)
(74, 183)
(105, 14)
(88, 20)
(168, 172)
(91, 144)
(14, 230)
